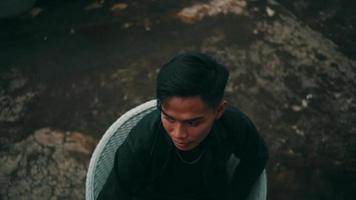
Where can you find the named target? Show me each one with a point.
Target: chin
(183, 147)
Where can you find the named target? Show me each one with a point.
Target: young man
(185, 149)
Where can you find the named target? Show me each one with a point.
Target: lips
(181, 145)
(178, 142)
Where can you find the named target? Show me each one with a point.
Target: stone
(48, 137)
(199, 11)
(49, 164)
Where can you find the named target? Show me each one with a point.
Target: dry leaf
(270, 12)
(215, 7)
(95, 5)
(119, 7)
(296, 108)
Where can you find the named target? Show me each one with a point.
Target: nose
(179, 132)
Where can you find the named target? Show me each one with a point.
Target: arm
(253, 154)
(112, 189)
(130, 165)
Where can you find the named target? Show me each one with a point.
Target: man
(187, 149)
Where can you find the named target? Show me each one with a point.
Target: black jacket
(143, 157)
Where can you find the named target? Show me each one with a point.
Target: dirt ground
(78, 65)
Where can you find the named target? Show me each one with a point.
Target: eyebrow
(186, 120)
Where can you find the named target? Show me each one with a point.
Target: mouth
(181, 145)
(179, 142)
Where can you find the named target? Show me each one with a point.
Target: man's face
(188, 120)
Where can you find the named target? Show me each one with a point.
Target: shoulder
(136, 147)
(143, 132)
(133, 156)
(149, 121)
(238, 125)
(243, 134)
(233, 117)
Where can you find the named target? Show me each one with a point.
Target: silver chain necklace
(190, 162)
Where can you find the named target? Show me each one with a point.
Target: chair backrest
(102, 160)
(259, 189)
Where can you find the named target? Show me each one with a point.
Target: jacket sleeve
(112, 188)
(130, 166)
(250, 148)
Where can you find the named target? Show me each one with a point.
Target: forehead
(185, 107)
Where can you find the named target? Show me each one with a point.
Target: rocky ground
(335, 19)
(76, 73)
(49, 164)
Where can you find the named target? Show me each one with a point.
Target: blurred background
(70, 68)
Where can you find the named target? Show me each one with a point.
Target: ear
(220, 109)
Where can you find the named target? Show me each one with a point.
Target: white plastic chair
(102, 160)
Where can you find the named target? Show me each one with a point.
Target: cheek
(199, 132)
(167, 126)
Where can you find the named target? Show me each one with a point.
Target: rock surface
(49, 164)
(294, 83)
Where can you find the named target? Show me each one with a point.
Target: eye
(193, 123)
(169, 119)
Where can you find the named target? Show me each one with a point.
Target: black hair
(192, 74)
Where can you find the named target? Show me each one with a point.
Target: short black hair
(192, 74)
